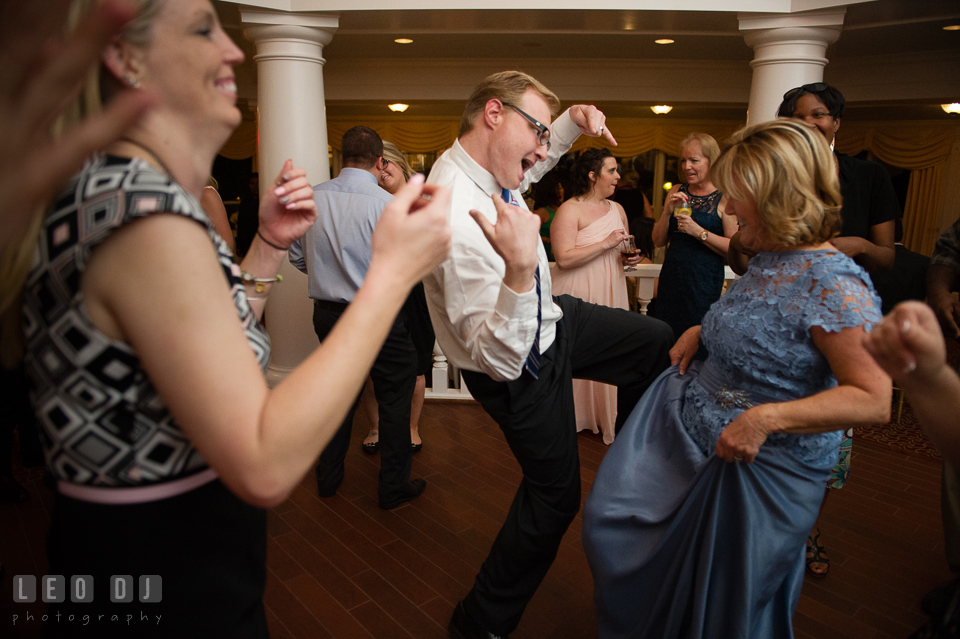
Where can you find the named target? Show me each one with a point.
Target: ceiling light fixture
(403, 41)
(952, 27)
(661, 109)
(664, 41)
(951, 108)
(398, 107)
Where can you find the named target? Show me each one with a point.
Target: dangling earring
(132, 81)
(833, 143)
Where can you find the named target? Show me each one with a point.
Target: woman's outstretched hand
(41, 71)
(413, 235)
(287, 208)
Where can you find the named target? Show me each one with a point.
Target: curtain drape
(918, 146)
(921, 148)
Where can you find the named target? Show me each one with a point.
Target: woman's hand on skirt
(685, 348)
(740, 441)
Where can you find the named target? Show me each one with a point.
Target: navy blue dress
(684, 544)
(691, 278)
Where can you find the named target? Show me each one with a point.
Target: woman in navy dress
(692, 275)
(696, 523)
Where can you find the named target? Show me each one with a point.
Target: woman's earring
(132, 81)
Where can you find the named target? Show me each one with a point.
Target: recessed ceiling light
(664, 41)
(661, 109)
(403, 41)
(951, 108)
(399, 108)
(952, 27)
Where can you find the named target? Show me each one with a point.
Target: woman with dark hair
(547, 198)
(869, 209)
(587, 233)
(697, 517)
(693, 223)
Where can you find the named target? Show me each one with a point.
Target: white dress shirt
(481, 324)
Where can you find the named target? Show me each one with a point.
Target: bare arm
(875, 255)
(213, 207)
(942, 280)
(173, 308)
(861, 398)
(661, 230)
(716, 243)
(910, 348)
(563, 238)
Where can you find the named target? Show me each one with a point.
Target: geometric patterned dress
(102, 422)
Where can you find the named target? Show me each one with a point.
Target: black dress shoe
(416, 447)
(328, 490)
(412, 490)
(463, 627)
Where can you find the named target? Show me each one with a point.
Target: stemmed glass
(628, 249)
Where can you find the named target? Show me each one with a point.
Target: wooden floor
(341, 567)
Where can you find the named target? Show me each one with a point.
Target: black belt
(330, 306)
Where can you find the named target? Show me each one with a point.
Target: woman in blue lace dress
(692, 275)
(696, 523)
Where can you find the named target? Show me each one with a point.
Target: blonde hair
(506, 86)
(392, 153)
(708, 146)
(789, 172)
(17, 258)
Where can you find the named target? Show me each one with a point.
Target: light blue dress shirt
(335, 252)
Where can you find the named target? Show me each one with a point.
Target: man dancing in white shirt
(518, 346)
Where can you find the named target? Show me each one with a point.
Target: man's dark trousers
(394, 375)
(538, 421)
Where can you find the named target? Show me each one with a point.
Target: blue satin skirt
(682, 544)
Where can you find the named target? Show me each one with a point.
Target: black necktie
(533, 359)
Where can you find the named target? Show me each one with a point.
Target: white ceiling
(893, 59)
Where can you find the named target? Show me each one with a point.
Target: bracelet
(279, 248)
(260, 283)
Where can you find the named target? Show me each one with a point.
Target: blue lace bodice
(758, 336)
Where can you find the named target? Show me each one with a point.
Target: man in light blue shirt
(335, 254)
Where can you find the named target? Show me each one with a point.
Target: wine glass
(628, 249)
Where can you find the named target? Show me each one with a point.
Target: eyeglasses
(815, 87)
(383, 167)
(543, 133)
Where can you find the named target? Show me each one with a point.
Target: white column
(789, 51)
(292, 124)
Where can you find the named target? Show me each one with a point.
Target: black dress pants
(537, 418)
(394, 375)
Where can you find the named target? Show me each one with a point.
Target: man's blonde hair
(506, 86)
(789, 172)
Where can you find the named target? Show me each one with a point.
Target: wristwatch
(703, 235)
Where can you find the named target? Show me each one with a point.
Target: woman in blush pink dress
(586, 235)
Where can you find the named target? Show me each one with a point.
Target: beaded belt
(712, 381)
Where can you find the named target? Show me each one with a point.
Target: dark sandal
(372, 447)
(817, 554)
